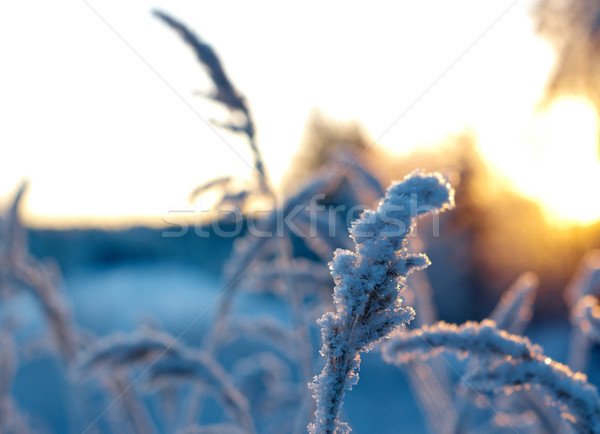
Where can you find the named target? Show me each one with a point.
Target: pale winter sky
(97, 107)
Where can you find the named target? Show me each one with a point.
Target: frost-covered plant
(251, 249)
(586, 316)
(511, 361)
(19, 269)
(515, 309)
(275, 395)
(192, 366)
(577, 399)
(445, 409)
(266, 262)
(493, 347)
(586, 280)
(119, 349)
(472, 338)
(227, 94)
(12, 420)
(111, 359)
(265, 330)
(429, 380)
(512, 314)
(163, 361)
(579, 295)
(369, 280)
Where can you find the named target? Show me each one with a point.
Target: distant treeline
(90, 248)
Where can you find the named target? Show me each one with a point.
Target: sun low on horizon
(100, 115)
(560, 168)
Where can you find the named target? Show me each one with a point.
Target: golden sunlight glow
(559, 165)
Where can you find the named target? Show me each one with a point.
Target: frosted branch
(368, 307)
(471, 338)
(515, 308)
(568, 388)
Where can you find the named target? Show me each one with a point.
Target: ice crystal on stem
(369, 280)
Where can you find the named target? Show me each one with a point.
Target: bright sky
(105, 125)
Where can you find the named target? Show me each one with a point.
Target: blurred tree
(573, 29)
(323, 137)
